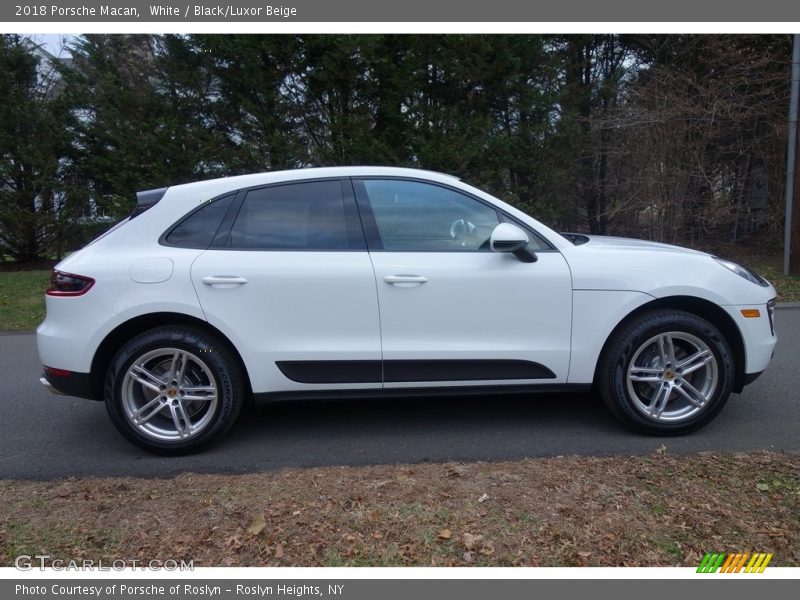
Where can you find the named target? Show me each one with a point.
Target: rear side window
(198, 229)
(299, 216)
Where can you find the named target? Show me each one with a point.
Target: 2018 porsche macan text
(378, 282)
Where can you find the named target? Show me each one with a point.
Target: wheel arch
(115, 339)
(704, 309)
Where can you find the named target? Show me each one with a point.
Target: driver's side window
(419, 217)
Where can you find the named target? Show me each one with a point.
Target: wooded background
(676, 138)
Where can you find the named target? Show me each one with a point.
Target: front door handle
(223, 280)
(405, 280)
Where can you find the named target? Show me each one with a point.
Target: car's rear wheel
(666, 372)
(173, 390)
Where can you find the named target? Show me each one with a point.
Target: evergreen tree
(32, 144)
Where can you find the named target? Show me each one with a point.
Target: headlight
(741, 271)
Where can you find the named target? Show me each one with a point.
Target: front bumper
(758, 335)
(751, 377)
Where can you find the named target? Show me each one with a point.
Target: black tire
(628, 340)
(209, 362)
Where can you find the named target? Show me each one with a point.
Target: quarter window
(300, 216)
(198, 229)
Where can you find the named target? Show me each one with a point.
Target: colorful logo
(745, 562)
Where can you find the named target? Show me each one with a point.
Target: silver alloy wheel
(169, 394)
(672, 376)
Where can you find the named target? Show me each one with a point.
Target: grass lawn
(22, 299)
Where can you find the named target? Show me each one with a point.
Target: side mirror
(507, 237)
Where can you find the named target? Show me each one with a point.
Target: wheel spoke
(691, 393)
(659, 400)
(202, 393)
(646, 378)
(646, 374)
(178, 366)
(182, 369)
(156, 406)
(666, 349)
(185, 416)
(181, 429)
(145, 377)
(696, 361)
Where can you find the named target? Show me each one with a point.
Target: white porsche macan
(378, 282)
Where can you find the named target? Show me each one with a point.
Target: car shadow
(358, 432)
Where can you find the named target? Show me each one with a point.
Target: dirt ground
(657, 510)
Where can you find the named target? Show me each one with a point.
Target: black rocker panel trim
(332, 371)
(369, 371)
(463, 370)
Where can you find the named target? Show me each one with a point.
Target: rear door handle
(223, 280)
(405, 280)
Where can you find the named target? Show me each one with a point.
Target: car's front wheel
(666, 372)
(173, 390)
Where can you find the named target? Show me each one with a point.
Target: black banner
(266, 11)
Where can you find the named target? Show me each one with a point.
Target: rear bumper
(68, 383)
(49, 386)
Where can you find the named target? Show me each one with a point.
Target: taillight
(68, 284)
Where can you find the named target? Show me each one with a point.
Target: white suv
(368, 281)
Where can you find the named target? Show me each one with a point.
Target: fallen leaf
(445, 534)
(762, 487)
(467, 556)
(483, 498)
(487, 549)
(471, 541)
(295, 513)
(279, 551)
(257, 525)
(233, 542)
